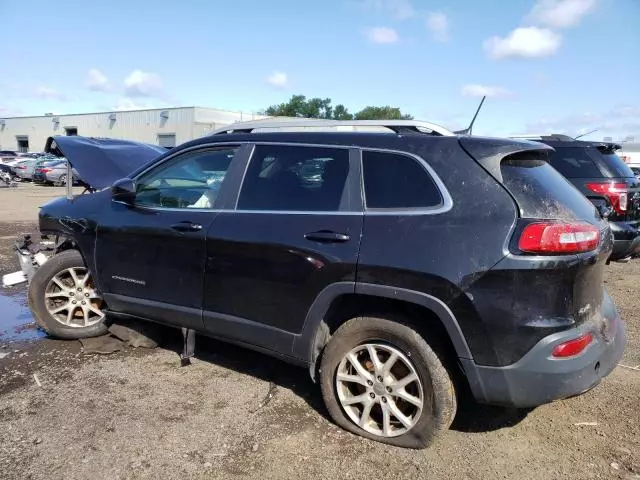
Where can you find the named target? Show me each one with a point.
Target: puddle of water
(16, 320)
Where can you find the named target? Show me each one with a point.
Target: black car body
(476, 244)
(603, 177)
(8, 170)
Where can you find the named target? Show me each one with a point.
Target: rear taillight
(45, 170)
(19, 168)
(572, 347)
(558, 238)
(617, 193)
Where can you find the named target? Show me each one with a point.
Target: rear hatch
(560, 244)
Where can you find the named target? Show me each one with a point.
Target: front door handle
(187, 227)
(327, 237)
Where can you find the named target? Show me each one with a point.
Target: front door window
(191, 180)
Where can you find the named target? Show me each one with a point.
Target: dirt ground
(238, 414)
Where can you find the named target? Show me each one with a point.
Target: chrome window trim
(445, 206)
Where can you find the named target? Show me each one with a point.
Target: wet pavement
(16, 320)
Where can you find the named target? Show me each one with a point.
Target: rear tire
(62, 180)
(416, 385)
(63, 299)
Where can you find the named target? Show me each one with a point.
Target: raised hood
(101, 161)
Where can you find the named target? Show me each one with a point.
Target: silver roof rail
(397, 126)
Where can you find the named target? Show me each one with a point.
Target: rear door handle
(327, 237)
(187, 227)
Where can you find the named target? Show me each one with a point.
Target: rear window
(575, 162)
(542, 193)
(615, 164)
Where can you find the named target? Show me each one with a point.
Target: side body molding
(315, 332)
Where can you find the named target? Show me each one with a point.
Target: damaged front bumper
(31, 255)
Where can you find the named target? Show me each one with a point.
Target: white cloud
(128, 104)
(382, 35)
(97, 81)
(438, 23)
(560, 13)
(50, 93)
(143, 84)
(524, 42)
(399, 9)
(278, 79)
(476, 90)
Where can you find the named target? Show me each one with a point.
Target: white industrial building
(163, 126)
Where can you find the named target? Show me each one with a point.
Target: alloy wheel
(379, 389)
(71, 299)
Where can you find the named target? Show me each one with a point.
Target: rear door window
(292, 178)
(395, 181)
(574, 162)
(542, 193)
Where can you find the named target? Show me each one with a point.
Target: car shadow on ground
(471, 418)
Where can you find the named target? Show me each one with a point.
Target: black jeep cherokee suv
(604, 178)
(401, 268)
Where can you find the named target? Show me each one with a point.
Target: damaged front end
(31, 255)
(99, 162)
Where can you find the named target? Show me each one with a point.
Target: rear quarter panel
(444, 254)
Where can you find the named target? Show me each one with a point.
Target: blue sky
(546, 65)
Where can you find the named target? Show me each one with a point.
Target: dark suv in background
(401, 268)
(605, 179)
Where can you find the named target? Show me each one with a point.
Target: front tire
(381, 380)
(63, 298)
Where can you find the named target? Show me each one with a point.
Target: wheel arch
(340, 301)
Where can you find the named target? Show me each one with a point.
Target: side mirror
(124, 190)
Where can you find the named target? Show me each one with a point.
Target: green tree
(301, 106)
(340, 112)
(381, 113)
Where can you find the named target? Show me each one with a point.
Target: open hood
(101, 161)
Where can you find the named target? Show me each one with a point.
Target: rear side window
(541, 192)
(574, 162)
(392, 180)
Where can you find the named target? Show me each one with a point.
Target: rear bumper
(626, 240)
(538, 378)
(39, 178)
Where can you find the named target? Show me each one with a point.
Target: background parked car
(605, 179)
(7, 155)
(54, 172)
(26, 168)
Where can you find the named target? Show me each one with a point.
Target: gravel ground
(238, 414)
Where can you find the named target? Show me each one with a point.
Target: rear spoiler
(489, 152)
(606, 147)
